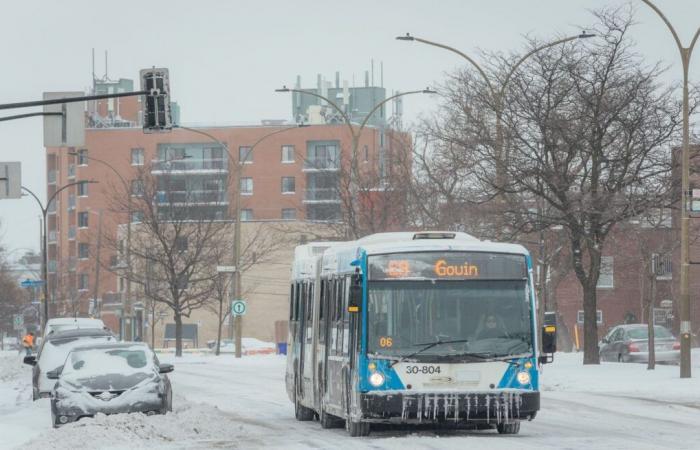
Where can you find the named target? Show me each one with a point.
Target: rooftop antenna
(381, 74)
(106, 71)
(93, 66)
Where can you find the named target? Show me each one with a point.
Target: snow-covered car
(630, 343)
(72, 323)
(53, 352)
(110, 378)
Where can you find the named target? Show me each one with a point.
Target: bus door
(307, 369)
(322, 337)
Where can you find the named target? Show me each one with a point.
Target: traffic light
(156, 106)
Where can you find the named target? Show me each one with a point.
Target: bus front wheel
(508, 428)
(357, 428)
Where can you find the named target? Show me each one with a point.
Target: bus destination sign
(447, 266)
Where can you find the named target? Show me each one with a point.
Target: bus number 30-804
(423, 369)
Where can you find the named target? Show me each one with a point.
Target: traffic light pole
(58, 101)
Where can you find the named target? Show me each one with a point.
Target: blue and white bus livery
(414, 328)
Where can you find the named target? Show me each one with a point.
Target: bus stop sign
(18, 322)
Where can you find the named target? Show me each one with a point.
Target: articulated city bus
(414, 328)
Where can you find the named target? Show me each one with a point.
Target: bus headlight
(523, 377)
(376, 379)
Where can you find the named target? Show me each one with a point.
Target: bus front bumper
(404, 407)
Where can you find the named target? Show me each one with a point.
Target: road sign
(18, 322)
(68, 128)
(10, 180)
(238, 307)
(226, 269)
(27, 283)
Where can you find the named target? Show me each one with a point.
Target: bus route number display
(447, 265)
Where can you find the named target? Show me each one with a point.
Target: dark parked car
(53, 352)
(630, 343)
(110, 378)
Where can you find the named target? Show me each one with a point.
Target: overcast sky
(227, 57)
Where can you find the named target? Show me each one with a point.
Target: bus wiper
(427, 346)
(479, 355)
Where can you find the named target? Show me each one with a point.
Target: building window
(598, 317)
(606, 279)
(661, 266)
(82, 157)
(82, 219)
(245, 155)
(137, 188)
(247, 186)
(246, 215)
(83, 189)
(288, 185)
(289, 214)
(137, 158)
(83, 250)
(287, 153)
(83, 280)
(366, 153)
(181, 243)
(137, 216)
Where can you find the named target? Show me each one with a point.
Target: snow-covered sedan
(110, 379)
(630, 343)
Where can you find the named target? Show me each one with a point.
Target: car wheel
(508, 428)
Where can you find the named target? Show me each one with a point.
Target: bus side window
(330, 315)
(339, 316)
(297, 306)
(321, 312)
(291, 302)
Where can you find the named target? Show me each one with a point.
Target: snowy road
(223, 403)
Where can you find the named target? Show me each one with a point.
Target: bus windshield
(484, 318)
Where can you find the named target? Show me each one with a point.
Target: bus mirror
(355, 294)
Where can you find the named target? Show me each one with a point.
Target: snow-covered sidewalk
(227, 403)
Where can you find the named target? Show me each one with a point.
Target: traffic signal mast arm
(70, 100)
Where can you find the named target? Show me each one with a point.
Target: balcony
(192, 197)
(71, 233)
(72, 263)
(51, 176)
(51, 267)
(189, 165)
(71, 171)
(53, 236)
(71, 202)
(52, 207)
(323, 195)
(321, 165)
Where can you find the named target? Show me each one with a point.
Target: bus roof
(336, 257)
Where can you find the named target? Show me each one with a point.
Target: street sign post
(27, 283)
(238, 307)
(10, 180)
(18, 322)
(65, 128)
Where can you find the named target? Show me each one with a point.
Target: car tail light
(676, 345)
(632, 347)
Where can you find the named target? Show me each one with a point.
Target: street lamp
(685, 328)
(497, 94)
(44, 249)
(238, 320)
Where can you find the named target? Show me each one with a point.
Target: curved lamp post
(45, 248)
(685, 329)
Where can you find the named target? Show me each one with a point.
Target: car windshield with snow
(414, 328)
(109, 379)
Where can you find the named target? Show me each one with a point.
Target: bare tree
(174, 244)
(12, 299)
(589, 131)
